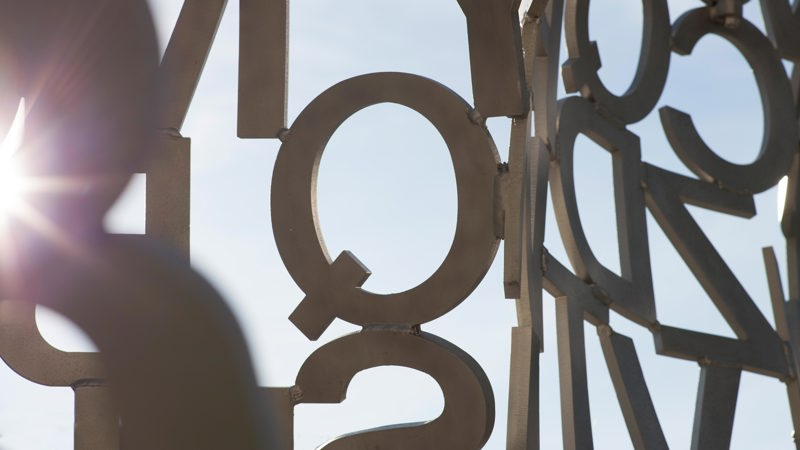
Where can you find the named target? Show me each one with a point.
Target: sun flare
(11, 180)
(11, 187)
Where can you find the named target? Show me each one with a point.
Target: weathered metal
(158, 324)
(263, 67)
(332, 287)
(779, 145)
(580, 70)
(632, 293)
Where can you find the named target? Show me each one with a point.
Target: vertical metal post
(96, 418)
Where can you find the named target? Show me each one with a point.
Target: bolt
(476, 118)
(283, 134)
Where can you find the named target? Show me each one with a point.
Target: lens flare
(11, 187)
(16, 185)
(11, 181)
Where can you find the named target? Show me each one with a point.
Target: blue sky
(387, 193)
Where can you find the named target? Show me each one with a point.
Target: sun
(11, 187)
(11, 180)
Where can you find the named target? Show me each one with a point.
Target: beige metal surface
(174, 371)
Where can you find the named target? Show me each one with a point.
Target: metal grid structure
(158, 403)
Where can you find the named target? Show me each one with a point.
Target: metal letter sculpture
(91, 66)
